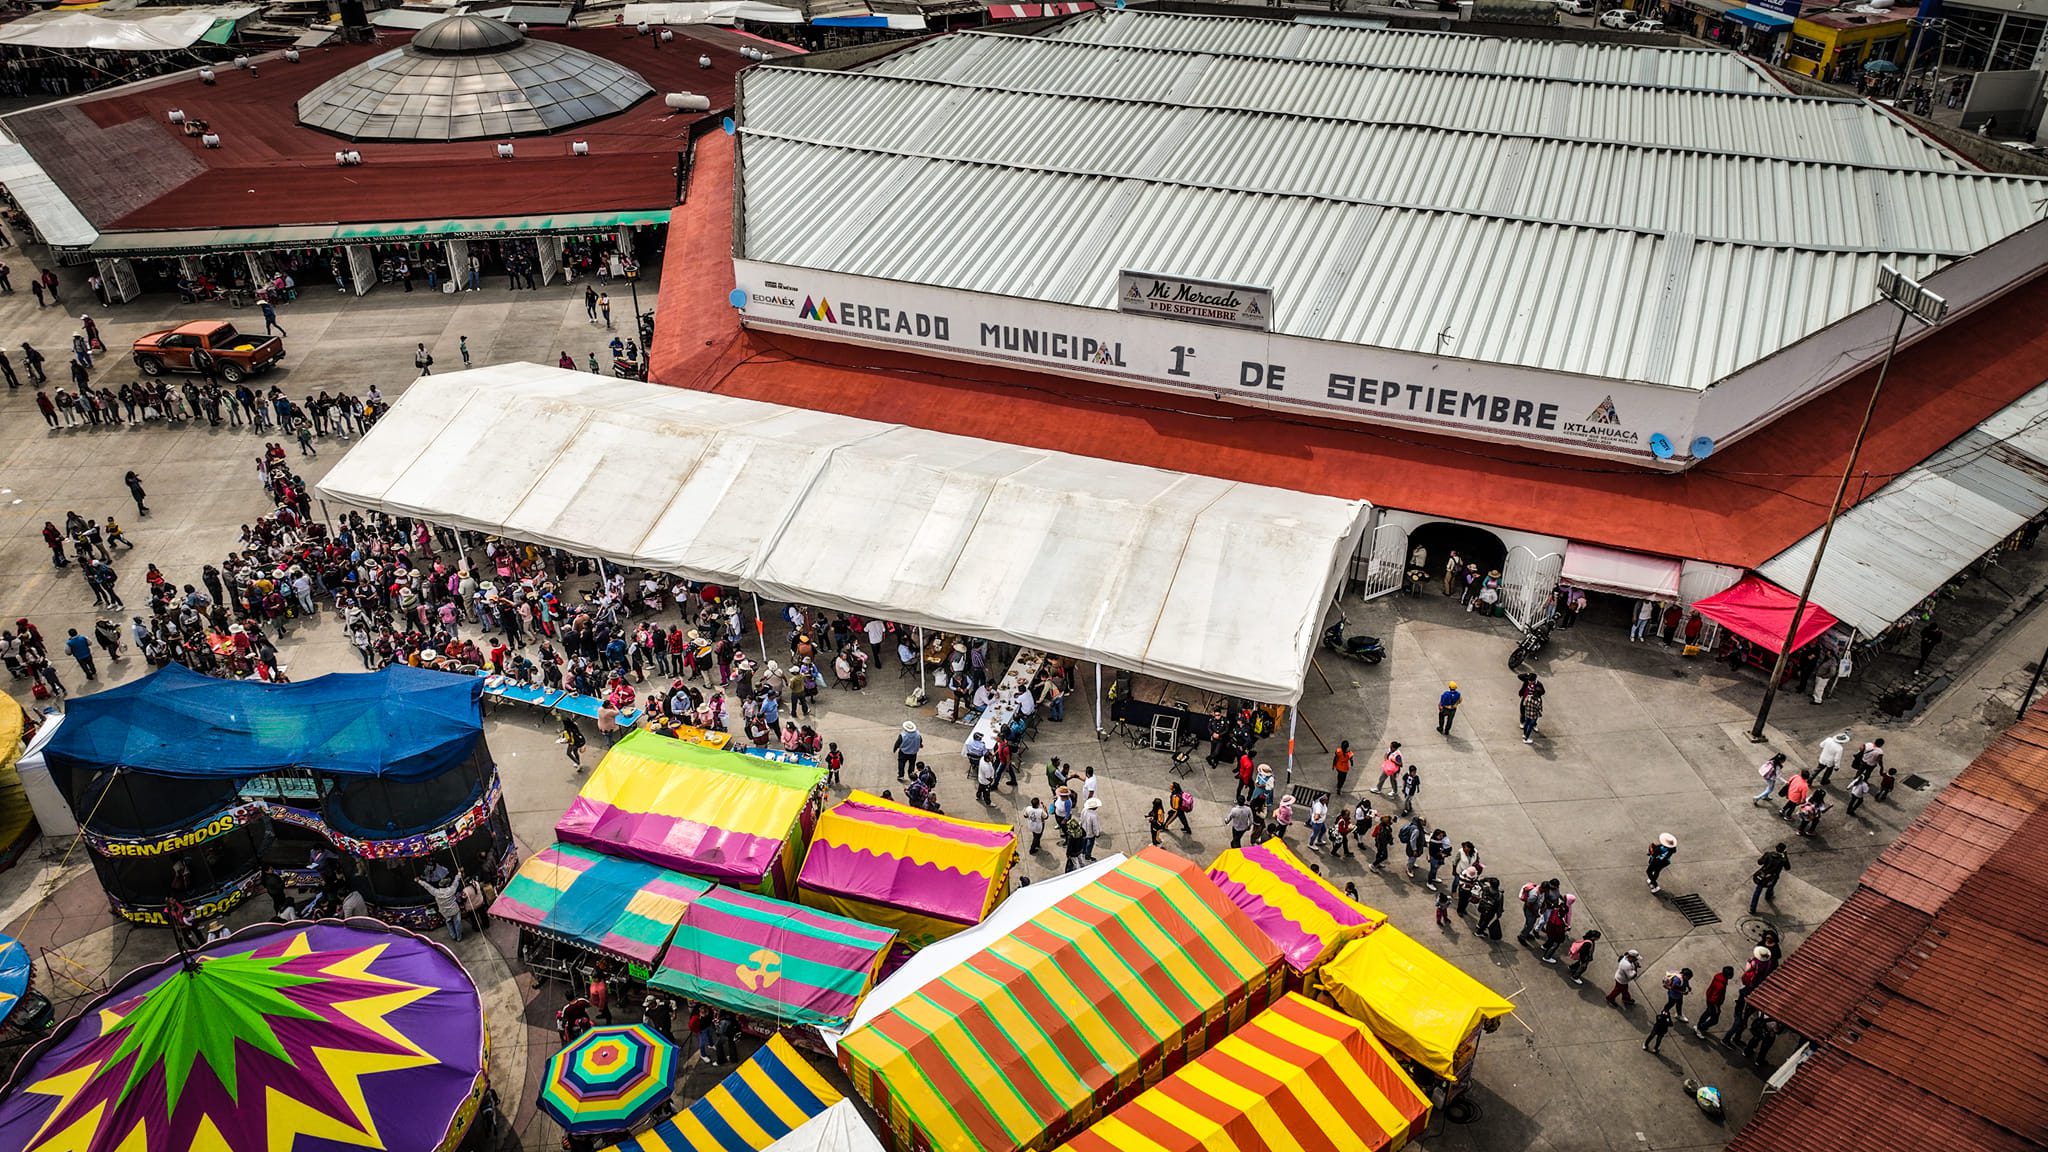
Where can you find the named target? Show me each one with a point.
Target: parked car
(1618, 18)
(1575, 7)
(236, 355)
(1647, 26)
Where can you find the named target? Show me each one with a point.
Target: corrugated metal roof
(1399, 48)
(1761, 123)
(1511, 291)
(1929, 1038)
(1737, 198)
(1901, 544)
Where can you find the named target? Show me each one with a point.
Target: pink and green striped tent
(773, 960)
(622, 907)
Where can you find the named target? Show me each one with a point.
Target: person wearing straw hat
(909, 743)
(1660, 855)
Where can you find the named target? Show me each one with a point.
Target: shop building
(543, 150)
(1839, 43)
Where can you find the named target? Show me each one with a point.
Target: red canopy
(1759, 611)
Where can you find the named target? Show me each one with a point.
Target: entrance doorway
(1439, 538)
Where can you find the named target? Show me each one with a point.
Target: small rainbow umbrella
(609, 1079)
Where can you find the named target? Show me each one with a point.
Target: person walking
(32, 360)
(1491, 904)
(1239, 821)
(134, 483)
(604, 307)
(1645, 612)
(1179, 802)
(423, 360)
(572, 740)
(1769, 771)
(1532, 712)
(1717, 992)
(1626, 970)
(1831, 750)
(1411, 783)
(1536, 897)
(1660, 856)
(1859, 791)
(462, 346)
(1869, 759)
(1795, 792)
(270, 320)
(1414, 841)
(1581, 955)
(1390, 771)
(81, 651)
(1156, 820)
(590, 303)
(909, 743)
(1930, 635)
(1677, 986)
(1382, 841)
(1091, 826)
(1769, 867)
(1034, 823)
(1340, 763)
(1075, 840)
(1439, 851)
(1447, 707)
(1659, 1028)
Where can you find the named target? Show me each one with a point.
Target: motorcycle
(1533, 641)
(1366, 648)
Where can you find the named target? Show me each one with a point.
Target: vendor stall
(1299, 1076)
(924, 874)
(1761, 612)
(1419, 1003)
(777, 963)
(721, 816)
(323, 1035)
(1305, 915)
(1064, 1019)
(572, 903)
(186, 786)
(771, 1094)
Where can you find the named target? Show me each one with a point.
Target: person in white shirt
(1088, 787)
(1034, 822)
(1831, 750)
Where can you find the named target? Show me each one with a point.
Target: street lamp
(1913, 301)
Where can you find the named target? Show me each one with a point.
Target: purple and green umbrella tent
(313, 1037)
(609, 1079)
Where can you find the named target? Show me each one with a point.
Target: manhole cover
(1918, 783)
(1694, 909)
(1753, 928)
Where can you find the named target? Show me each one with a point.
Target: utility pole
(1912, 301)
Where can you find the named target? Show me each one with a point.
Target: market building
(543, 149)
(1486, 320)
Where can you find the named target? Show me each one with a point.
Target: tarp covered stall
(1298, 1078)
(935, 960)
(134, 30)
(725, 817)
(839, 1128)
(398, 723)
(1598, 569)
(924, 874)
(773, 960)
(1760, 612)
(1902, 543)
(55, 215)
(1133, 567)
(1060, 1022)
(1421, 1004)
(626, 908)
(772, 1094)
(53, 812)
(1309, 918)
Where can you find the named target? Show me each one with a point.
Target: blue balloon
(738, 297)
(729, 126)
(1702, 447)
(1660, 446)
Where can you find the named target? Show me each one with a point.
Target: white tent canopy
(1200, 581)
(136, 30)
(836, 1129)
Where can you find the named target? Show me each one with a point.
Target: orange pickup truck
(236, 355)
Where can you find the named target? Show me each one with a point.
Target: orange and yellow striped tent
(1299, 1078)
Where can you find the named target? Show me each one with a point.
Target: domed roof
(469, 78)
(464, 35)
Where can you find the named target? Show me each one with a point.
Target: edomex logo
(1604, 413)
(819, 310)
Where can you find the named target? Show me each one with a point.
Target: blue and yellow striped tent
(761, 1102)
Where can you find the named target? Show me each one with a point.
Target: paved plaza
(1635, 741)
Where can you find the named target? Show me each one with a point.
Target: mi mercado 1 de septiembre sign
(1221, 362)
(1203, 301)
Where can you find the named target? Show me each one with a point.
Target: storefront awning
(1598, 569)
(192, 241)
(1770, 21)
(1204, 582)
(1760, 612)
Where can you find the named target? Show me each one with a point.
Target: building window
(1885, 49)
(1975, 39)
(1802, 48)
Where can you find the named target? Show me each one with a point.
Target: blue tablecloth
(587, 706)
(526, 694)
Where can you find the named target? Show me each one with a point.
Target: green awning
(187, 241)
(221, 32)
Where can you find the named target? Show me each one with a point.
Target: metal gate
(362, 268)
(550, 257)
(117, 275)
(458, 263)
(1377, 566)
(1526, 582)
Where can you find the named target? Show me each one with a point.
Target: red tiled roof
(1930, 1038)
(1744, 505)
(269, 171)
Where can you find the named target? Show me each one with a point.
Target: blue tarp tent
(398, 723)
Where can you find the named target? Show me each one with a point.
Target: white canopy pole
(760, 628)
(920, 656)
(1292, 714)
(1098, 697)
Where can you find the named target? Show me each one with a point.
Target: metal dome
(468, 78)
